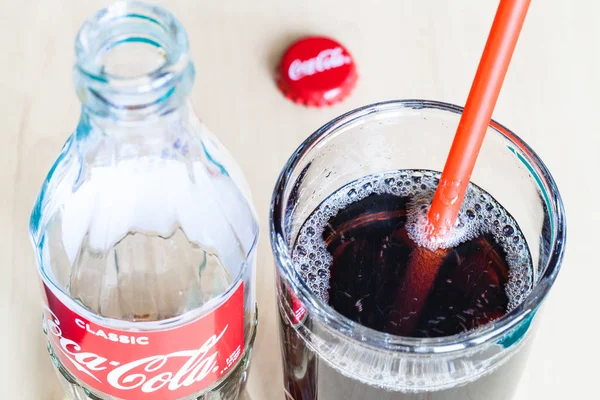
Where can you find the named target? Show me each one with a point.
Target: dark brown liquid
(370, 249)
(362, 277)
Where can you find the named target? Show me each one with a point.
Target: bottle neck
(176, 122)
(105, 141)
(132, 65)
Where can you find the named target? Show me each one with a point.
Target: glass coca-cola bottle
(144, 232)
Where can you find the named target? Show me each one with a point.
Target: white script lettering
(325, 60)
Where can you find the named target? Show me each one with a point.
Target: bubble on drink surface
(301, 251)
(478, 206)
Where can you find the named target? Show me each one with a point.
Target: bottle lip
(364, 336)
(129, 96)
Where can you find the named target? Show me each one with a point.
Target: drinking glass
(330, 357)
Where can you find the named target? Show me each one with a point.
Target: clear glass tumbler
(330, 357)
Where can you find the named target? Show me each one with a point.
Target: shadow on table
(278, 47)
(245, 396)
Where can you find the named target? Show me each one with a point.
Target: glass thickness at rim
(370, 337)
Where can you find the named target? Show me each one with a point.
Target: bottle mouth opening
(131, 48)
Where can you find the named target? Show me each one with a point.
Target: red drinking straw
(424, 264)
(476, 117)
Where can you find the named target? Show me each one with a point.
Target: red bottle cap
(316, 71)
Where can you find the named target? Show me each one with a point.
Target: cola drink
(144, 231)
(353, 251)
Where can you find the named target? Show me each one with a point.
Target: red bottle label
(165, 364)
(298, 310)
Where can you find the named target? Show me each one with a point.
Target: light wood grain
(404, 49)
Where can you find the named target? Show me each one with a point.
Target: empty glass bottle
(144, 231)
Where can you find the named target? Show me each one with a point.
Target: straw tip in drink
(421, 229)
(433, 230)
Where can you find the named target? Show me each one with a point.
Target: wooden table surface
(404, 49)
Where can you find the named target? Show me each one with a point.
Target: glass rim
(491, 332)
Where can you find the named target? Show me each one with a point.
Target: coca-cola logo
(115, 367)
(147, 372)
(324, 61)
